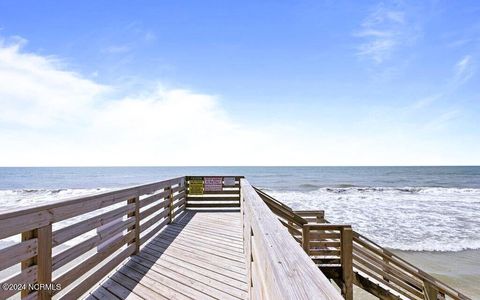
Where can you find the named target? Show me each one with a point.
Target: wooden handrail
(381, 256)
(277, 266)
(140, 210)
(320, 241)
(366, 257)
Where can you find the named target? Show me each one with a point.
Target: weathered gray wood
(29, 262)
(17, 221)
(306, 239)
(71, 253)
(44, 260)
(154, 231)
(88, 282)
(151, 199)
(154, 208)
(26, 276)
(291, 273)
(136, 227)
(347, 262)
(71, 275)
(15, 254)
(64, 234)
(153, 220)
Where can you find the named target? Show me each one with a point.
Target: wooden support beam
(136, 226)
(25, 264)
(373, 288)
(44, 262)
(347, 262)
(170, 205)
(430, 291)
(306, 238)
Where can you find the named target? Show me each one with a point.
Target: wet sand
(460, 270)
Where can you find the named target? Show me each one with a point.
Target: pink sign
(213, 184)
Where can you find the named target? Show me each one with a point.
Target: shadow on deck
(199, 256)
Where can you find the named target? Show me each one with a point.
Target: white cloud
(382, 31)
(53, 116)
(36, 92)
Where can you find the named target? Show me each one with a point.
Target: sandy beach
(460, 270)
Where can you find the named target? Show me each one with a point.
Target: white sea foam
(410, 218)
(18, 199)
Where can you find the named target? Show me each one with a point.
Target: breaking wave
(403, 218)
(406, 218)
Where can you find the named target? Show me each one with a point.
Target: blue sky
(260, 82)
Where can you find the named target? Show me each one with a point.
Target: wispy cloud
(382, 31)
(426, 101)
(149, 36)
(464, 70)
(116, 49)
(442, 121)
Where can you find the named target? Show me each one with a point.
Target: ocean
(402, 208)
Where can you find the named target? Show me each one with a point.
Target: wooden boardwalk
(152, 242)
(199, 256)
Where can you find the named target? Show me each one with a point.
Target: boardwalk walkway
(199, 256)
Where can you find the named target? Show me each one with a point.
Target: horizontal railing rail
(96, 233)
(331, 245)
(277, 267)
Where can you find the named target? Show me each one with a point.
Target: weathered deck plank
(199, 256)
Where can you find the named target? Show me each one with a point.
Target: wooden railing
(327, 245)
(114, 226)
(347, 257)
(213, 191)
(277, 267)
(330, 246)
(385, 270)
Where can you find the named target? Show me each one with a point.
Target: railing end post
(347, 262)
(306, 238)
(136, 227)
(170, 205)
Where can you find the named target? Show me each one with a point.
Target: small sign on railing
(195, 187)
(213, 184)
(229, 181)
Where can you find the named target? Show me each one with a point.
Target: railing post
(44, 261)
(430, 291)
(170, 205)
(320, 217)
(347, 262)
(385, 269)
(306, 238)
(136, 227)
(28, 235)
(187, 178)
